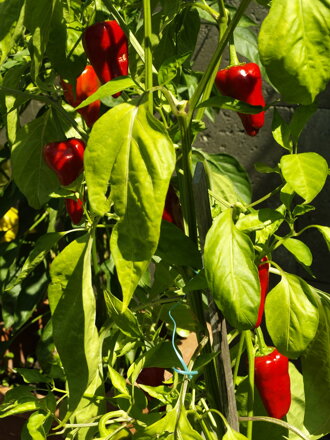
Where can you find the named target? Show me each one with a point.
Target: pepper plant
(166, 240)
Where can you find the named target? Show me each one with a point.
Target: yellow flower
(9, 224)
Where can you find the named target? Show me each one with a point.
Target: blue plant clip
(185, 370)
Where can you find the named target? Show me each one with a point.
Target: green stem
(214, 14)
(276, 422)
(263, 348)
(222, 8)
(250, 353)
(239, 355)
(267, 196)
(185, 181)
(148, 51)
(223, 22)
(233, 59)
(216, 57)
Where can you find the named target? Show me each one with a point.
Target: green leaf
(227, 178)
(12, 14)
(306, 173)
(117, 380)
(35, 425)
(262, 168)
(316, 375)
(32, 375)
(292, 315)
(182, 314)
(110, 88)
(72, 303)
(293, 42)
(42, 246)
(162, 429)
(259, 220)
(12, 100)
(299, 250)
(231, 273)
(184, 430)
(31, 174)
(38, 19)
(64, 48)
(302, 209)
(175, 247)
(138, 159)
(231, 434)
(126, 321)
(281, 131)
(228, 103)
(169, 69)
(228, 167)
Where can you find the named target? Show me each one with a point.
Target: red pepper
(244, 82)
(74, 209)
(65, 158)
(172, 210)
(273, 383)
(86, 84)
(106, 47)
(263, 270)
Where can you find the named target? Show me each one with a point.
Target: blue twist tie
(185, 370)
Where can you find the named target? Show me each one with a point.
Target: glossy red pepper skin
(65, 158)
(172, 210)
(263, 271)
(244, 82)
(273, 383)
(106, 47)
(75, 210)
(86, 84)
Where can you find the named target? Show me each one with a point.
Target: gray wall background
(227, 136)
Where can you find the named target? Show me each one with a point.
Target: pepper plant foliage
(170, 240)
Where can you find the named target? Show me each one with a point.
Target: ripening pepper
(263, 271)
(106, 47)
(172, 209)
(65, 158)
(244, 82)
(152, 376)
(273, 383)
(86, 84)
(75, 210)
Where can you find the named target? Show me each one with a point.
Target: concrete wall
(226, 135)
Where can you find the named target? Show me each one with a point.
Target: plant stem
(233, 59)
(250, 352)
(239, 355)
(276, 422)
(223, 22)
(216, 57)
(148, 50)
(267, 196)
(185, 181)
(261, 342)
